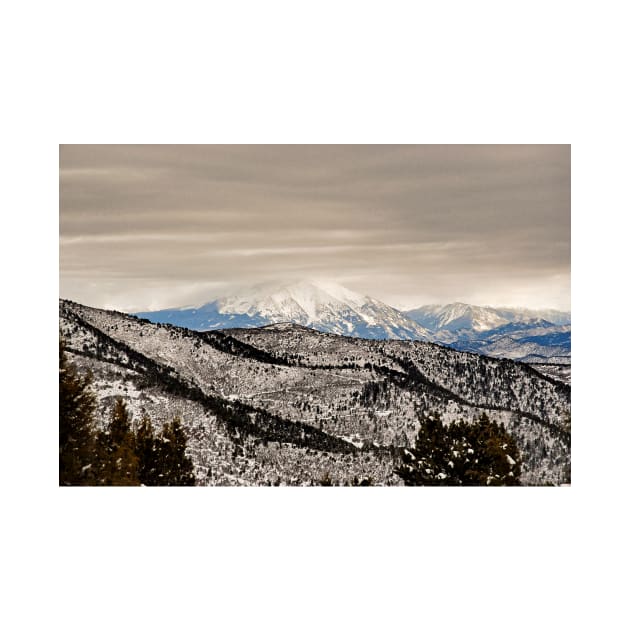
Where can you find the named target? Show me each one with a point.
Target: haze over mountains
(516, 333)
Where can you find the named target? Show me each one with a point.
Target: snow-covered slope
(288, 404)
(458, 316)
(534, 341)
(323, 306)
(521, 334)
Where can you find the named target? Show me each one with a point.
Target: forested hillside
(284, 404)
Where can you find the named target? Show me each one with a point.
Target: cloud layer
(153, 226)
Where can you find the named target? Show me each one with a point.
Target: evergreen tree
(116, 456)
(147, 454)
(481, 452)
(427, 463)
(77, 404)
(174, 468)
(119, 460)
(496, 461)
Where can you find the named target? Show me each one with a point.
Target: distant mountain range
(521, 334)
(458, 316)
(514, 333)
(323, 306)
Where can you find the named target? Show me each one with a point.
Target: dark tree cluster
(478, 453)
(77, 436)
(373, 391)
(230, 345)
(117, 456)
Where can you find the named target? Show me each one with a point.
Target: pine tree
(175, 469)
(119, 461)
(77, 404)
(147, 453)
(116, 456)
(427, 463)
(475, 453)
(496, 460)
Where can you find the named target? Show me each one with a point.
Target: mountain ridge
(284, 403)
(517, 333)
(458, 315)
(323, 306)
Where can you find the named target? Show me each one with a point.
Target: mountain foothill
(313, 384)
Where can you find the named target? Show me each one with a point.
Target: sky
(144, 227)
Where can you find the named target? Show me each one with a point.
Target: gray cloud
(155, 226)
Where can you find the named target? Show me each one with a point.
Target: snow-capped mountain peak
(331, 308)
(302, 302)
(319, 304)
(459, 316)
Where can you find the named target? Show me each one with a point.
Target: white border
(327, 72)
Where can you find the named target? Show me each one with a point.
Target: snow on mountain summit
(331, 308)
(322, 305)
(459, 316)
(515, 333)
(303, 302)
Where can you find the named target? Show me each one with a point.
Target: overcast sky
(148, 227)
